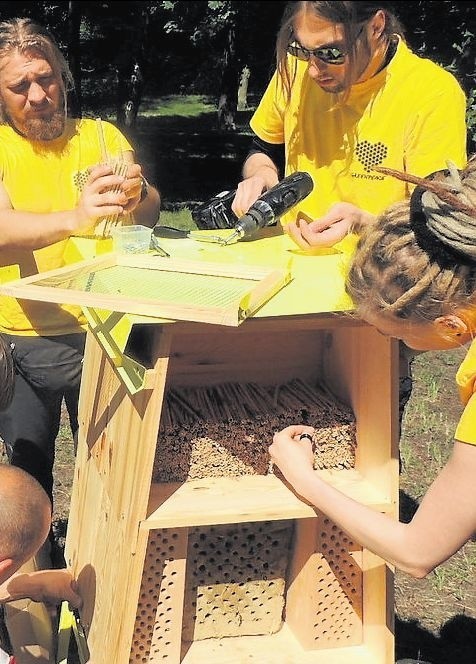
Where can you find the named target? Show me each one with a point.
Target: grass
(185, 106)
(181, 219)
(436, 616)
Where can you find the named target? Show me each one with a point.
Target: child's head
(25, 518)
(414, 272)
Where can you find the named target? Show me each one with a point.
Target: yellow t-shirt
(410, 117)
(45, 178)
(466, 381)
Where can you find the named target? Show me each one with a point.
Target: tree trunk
(243, 89)
(227, 101)
(74, 57)
(131, 73)
(130, 83)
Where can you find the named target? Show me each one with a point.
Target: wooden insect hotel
(188, 546)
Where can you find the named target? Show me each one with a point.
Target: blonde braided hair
(418, 261)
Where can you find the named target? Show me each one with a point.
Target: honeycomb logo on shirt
(80, 178)
(370, 154)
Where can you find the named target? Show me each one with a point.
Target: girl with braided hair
(413, 277)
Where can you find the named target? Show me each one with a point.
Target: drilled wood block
(324, 600)
(242, 580)
(158, 624)
(337, 613)
(235, 579)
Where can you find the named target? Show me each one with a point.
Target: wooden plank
(116, 446)
(378, 607)
(247, 498)
(267, 359)
(280, 648)
(185, 266)
(362, 370)
(324, 598)
(290, 324)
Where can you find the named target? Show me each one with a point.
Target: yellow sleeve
(267, 121)
(466, 429)
(116, 142)
(466, 381)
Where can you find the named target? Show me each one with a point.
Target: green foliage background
(183, 44)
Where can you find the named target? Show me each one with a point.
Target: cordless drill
(266, 210)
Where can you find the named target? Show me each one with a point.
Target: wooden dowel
(102, 142)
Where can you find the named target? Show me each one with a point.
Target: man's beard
(335, 89)
(45, 129)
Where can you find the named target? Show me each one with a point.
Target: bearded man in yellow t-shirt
(53, 184)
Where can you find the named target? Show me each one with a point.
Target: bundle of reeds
(225, 430)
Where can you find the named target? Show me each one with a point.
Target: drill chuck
(272, 204)
(258, 216)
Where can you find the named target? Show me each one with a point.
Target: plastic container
(131, 239)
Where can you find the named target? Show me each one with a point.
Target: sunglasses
(330, 55)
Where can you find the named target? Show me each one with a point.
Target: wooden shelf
(248, 498)
(279, 648)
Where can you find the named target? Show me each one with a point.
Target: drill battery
(216, 212)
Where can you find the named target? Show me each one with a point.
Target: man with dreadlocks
(414, 278)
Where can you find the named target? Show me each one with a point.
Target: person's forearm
(377, 532)
(259, 164)
(443, 522)
(147, 212)
(50, 586)
(30, 231)
(19, 586)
